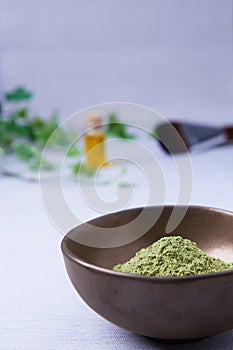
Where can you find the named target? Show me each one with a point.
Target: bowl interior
(211, 229)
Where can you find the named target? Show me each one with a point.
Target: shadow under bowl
(172, 308)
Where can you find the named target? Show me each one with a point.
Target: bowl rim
(66, 252)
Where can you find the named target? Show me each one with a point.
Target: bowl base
(175, 341)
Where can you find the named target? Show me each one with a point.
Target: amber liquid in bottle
(94, 143)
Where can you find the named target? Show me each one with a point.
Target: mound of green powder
(172, 256)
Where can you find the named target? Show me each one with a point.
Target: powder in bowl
(172, 256)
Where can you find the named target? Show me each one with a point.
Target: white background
(173, 55)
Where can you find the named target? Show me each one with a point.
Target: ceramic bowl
(174, 308)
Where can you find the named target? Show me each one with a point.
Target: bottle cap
(94, 120)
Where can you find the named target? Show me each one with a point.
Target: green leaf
(2, 152)
(117, 128)
(18, 94)
(11, 130)
(24, 151)
(22, 113)
(73, 151)
(125, 184)
(82, 169)
(26, 135)
(39, 163)
(42, 130)
(31, 154)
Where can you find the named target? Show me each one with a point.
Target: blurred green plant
(118, 129)
(80, 168)
(25, 134)
(18, 94)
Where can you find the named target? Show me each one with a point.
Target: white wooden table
(39, 307)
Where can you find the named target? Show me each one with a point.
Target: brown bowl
(174, 308)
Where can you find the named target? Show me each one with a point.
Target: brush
(179, 137)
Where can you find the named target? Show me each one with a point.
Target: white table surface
(39, 307)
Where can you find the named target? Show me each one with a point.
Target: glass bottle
(94, 138)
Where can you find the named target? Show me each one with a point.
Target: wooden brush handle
(229, 132)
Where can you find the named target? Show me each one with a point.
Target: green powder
(172, 256)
